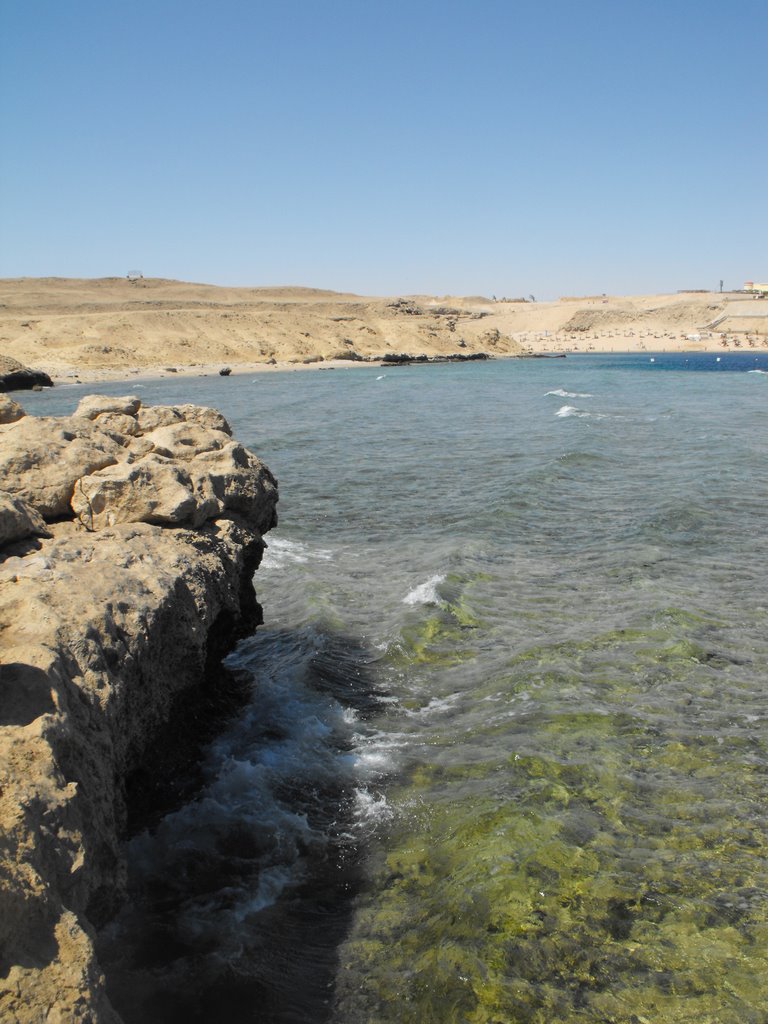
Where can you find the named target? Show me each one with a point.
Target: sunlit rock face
(126, 562)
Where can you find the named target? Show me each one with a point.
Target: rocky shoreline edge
(14, 376)
(129, 536)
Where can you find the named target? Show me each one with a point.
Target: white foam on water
(371, 809)
(383, 375)
(435, 706)
(757, 371)
(371, 758)
(560, 393)
(277, 779)
(387, 699)
(274, 782)
(425, 593)
(375, 756)
(281, 552)
(570, 410)
(375, 753)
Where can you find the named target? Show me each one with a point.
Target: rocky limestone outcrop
(41, 458)
(19, 520)
(10, 411)
(128, 542)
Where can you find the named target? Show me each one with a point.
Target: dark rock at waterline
(400, 358)
(404, 359)
(14, 376)
(225, 371)
(350, 355)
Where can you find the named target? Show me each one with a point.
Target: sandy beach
(115, 328)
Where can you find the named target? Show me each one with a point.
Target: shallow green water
(570, 859)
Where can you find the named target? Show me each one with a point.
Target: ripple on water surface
(514, 668)
(580, 840)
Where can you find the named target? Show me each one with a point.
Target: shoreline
(96, 375)
(112, 329)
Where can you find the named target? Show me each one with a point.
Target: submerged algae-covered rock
(103, 630)
(580, 859)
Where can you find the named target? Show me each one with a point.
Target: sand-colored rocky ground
(114, 608)
(113, 327)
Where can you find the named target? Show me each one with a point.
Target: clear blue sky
(388, 147)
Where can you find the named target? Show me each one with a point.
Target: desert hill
(116, 326)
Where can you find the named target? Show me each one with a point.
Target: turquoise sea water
(506, 758)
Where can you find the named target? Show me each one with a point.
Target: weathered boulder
(118, 425)
(41, 458)
(10, 411)
(114, 461)
(151, 490)
(185, 440)
(156, 489)
(19, 520)
(236, 481)
(154, 416)
(92, 406)
(14, 376)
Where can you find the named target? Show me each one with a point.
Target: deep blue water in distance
(706, 362)
(505, 759)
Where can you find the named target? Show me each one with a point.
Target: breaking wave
(281, 552)
(560, 393)
(425, 593)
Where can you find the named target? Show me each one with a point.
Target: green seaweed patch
(563, 904)
(599, 856)
(492, 916)
(435, 641)
(443, 637)
(439, 639)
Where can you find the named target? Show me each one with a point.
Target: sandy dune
(113, 327)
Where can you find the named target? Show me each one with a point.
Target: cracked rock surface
(106, 616)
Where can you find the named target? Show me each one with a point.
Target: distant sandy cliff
(117, 327)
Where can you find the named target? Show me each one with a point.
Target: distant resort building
(755, 289)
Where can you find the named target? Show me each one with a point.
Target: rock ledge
(128, 541)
